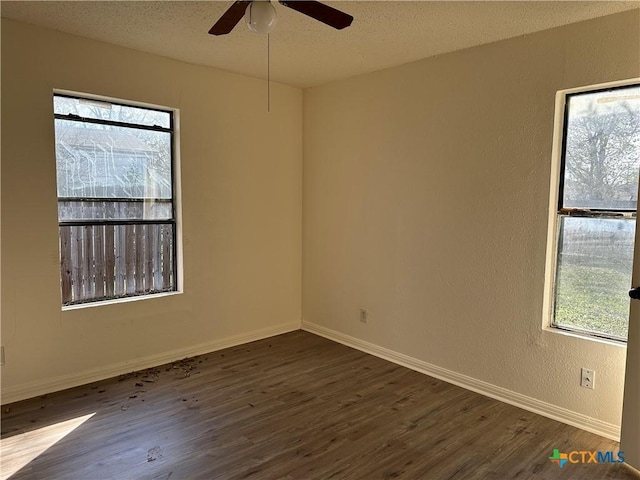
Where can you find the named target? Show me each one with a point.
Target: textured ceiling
(305, 52)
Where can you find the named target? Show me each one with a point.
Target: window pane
(148, 209)
(595, 257)
(602, 155)
(108, 111)
(113, 261)
(103, 161)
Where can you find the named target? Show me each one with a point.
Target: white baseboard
(33, 389)
(604, 429)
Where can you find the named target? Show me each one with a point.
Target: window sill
(585, 336)
(115, 301)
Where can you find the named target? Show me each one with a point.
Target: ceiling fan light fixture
(260, 16)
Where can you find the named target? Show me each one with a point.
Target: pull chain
(268, 74)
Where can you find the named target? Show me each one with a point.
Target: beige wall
(425, 200)
(241, 212)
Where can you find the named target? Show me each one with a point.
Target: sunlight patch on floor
(17, 451)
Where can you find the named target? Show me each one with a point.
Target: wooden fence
(101, 262)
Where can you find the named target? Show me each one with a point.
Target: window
(116, 207)
(595, 217)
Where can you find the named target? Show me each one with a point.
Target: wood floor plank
(295, 406)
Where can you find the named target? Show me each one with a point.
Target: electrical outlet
(364, 315)
(588, 378)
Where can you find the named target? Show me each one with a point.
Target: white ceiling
(305, 52)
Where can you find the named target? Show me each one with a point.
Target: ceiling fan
(261, 16)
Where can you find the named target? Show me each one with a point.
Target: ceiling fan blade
(230, 18)
(321, 12)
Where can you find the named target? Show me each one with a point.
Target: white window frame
(178, 282)
(553, 218)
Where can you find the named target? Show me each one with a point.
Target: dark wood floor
(295, 406)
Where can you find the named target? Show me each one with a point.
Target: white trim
(552, 221)
(575, 419)
(176, 184)
(111, 99)
(601, 86)
(115, 301)
(33, 389)
(586, 336)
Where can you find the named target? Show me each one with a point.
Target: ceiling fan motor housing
(261, 16)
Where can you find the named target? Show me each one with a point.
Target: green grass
(594, 299)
